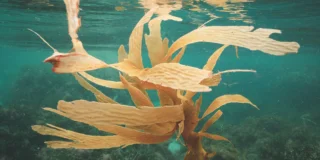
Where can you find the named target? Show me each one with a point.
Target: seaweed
(175, 83)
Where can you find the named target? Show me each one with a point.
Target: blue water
(286, 87)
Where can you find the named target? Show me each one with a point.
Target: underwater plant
(176, 85)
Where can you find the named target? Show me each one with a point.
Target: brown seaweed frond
(176, 76)
(77, 59)
(214, 107)
(212, 120)
(213, 136)
(155, 122)
(105, 113)
(135, 40)
(225, 99)
(122, 53)
(98, 94)
(81, 141)
(179, 56)
(165, 45)
(139, 98)
(154, 41)
(241, 36)
(102, 82)
(172, 75)
(176, 85)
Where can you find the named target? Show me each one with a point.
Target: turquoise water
(285, 88)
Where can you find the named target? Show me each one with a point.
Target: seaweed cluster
(176, 85)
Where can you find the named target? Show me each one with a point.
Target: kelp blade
(107, 113)
(241, 36)
(80, 141)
